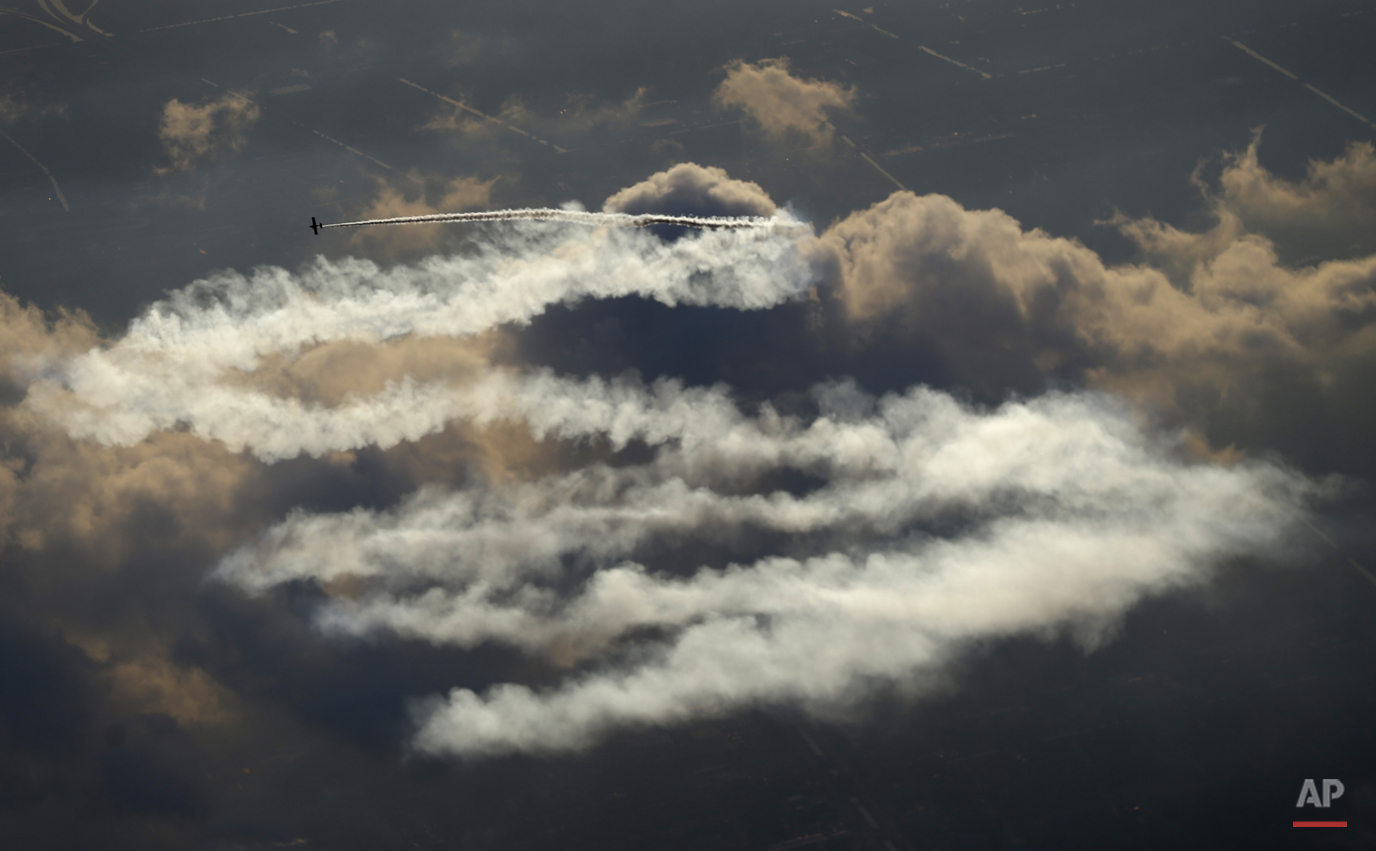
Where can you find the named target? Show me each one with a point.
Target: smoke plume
(190, 360)
(695, 555)
(932, 525)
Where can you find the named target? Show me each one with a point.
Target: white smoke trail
(174, 366)
(933, 524)
(930, 524)
(583, 217)
(867, 463)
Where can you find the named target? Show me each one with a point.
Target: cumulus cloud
(74, 514)
(103, 501)
(781, 105)
(936, 524)
(1329, 213)
(105, 549)
(689, 189)
(192, 132)
(32, 340)
(1237, 348)
(54, 488)
(107, 541)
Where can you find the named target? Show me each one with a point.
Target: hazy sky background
(1013, 491)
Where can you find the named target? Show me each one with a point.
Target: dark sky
(1022, 501)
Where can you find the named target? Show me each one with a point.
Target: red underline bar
(1320, 824)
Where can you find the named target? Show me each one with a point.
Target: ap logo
(1309, 793)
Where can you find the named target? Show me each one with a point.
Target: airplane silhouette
(315, 226)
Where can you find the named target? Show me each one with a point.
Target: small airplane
(315, 226)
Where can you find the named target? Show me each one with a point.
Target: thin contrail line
(880, 169)
(1352, 562)
(494, 119)
(58, 189)
(942, 56)
(1257, 56)
(240, 15)
(73, 36)
(350, 148)
(876, 165)
(1352, 112)
(578, 216)
(1262, 59)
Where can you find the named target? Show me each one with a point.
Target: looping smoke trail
(582, 217)
(934, 525)
(192, 361)
(922, 525)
